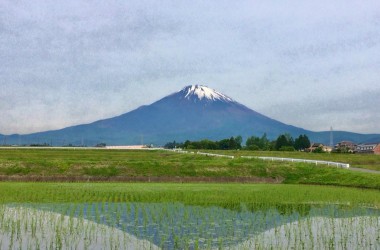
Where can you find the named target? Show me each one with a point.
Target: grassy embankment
(366, 161)
(114, 165)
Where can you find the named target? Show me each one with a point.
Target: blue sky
(312, 64)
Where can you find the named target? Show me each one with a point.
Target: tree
(207, 144)
(302, 142)
(238, 140)
(290, 139)
(258, 143)
(174, 144)
(264, 142)
(281, 142)
(186, 144)
(224, 144)
(232, 143)
(252, 143)
(284, 141)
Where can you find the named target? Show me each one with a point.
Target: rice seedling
(186, 216)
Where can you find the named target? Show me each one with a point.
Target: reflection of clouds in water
(320, 232)
(28, 228)
(174, 225)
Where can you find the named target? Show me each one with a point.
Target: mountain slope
(195, 112)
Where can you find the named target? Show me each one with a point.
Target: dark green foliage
(224, 144)
(284, 141)
(318, 150)
(238, 140)
(281, 142)
(232, 143)
(203, 144)
(302, 142)
(257, 143)
(40, 145)
(174, 144)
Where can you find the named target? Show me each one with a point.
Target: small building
(327, 149)
(345, 147)
(368, 148)
(315, 146)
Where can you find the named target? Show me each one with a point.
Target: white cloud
(71, 62)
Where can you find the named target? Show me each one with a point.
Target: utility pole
(331, 137)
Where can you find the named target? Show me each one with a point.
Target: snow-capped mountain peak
(204, 92)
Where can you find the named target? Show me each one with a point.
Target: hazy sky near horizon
(311, 64)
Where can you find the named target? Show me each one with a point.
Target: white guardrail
(178, 151)
(216, 155)
(199, 153)
(316, 162)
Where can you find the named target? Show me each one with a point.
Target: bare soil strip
(365, 170)
(198, 179)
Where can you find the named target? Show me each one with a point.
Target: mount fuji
(193, 113)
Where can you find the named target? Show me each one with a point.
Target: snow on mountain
(204, 92)
(194, 113)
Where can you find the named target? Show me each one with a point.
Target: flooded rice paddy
(108, 225)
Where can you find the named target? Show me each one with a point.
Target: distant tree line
(232, 143)
(284, 142)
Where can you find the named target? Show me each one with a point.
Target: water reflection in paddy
(179, 226)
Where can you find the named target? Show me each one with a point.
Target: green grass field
(86, 164)
(226, 195)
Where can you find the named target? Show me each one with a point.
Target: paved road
(365, 170)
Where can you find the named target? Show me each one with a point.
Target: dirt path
(364, 170)
(174, 179)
